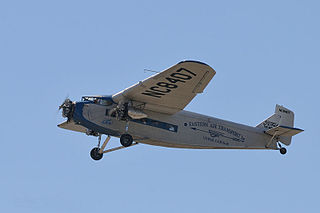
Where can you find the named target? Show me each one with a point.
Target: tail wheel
(283, 150)
(126, 140)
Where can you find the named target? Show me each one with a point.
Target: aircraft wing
(71, 125)
(170, 90)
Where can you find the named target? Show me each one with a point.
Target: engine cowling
(136, 113)
(67, 108)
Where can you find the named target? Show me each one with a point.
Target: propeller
(67, 108)
(66, 100)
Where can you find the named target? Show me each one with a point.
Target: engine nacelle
(136, 114)
(67, 108)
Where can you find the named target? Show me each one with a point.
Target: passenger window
(105, 102)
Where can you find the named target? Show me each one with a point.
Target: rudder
(281, 117)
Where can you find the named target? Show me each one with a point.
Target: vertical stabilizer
(287, 116)
(281, 117)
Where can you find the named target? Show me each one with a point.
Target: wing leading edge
(170, 90)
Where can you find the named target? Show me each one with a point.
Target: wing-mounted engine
(126, 110)
(135, 113)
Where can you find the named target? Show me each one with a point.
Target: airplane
(152, 112)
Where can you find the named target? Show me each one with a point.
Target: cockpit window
(105, 101)
(88, 99)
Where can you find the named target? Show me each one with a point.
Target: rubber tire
(126, 140)
(95, 155)
(283, 151)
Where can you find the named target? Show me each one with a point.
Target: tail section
(280, 124)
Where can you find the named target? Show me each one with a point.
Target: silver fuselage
(181, 130)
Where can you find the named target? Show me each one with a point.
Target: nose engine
(67, 108)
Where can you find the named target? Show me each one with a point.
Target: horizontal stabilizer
(283, 131)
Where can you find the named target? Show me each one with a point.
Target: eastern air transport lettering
(164, 87)
(231, 134)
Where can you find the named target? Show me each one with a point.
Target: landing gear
(279, 147)
(126, 140)
(95, 154)
(283, 150)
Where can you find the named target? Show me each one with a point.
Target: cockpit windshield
(105, 101)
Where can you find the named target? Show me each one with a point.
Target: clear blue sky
(265, 53)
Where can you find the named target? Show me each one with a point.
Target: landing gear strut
(97, 152)
(281, 149)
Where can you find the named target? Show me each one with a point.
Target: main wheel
(95, 155)
(283, 150)
(126, 140)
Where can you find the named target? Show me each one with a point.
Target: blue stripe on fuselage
(79, 118)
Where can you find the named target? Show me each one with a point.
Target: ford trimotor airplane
(151, 112)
